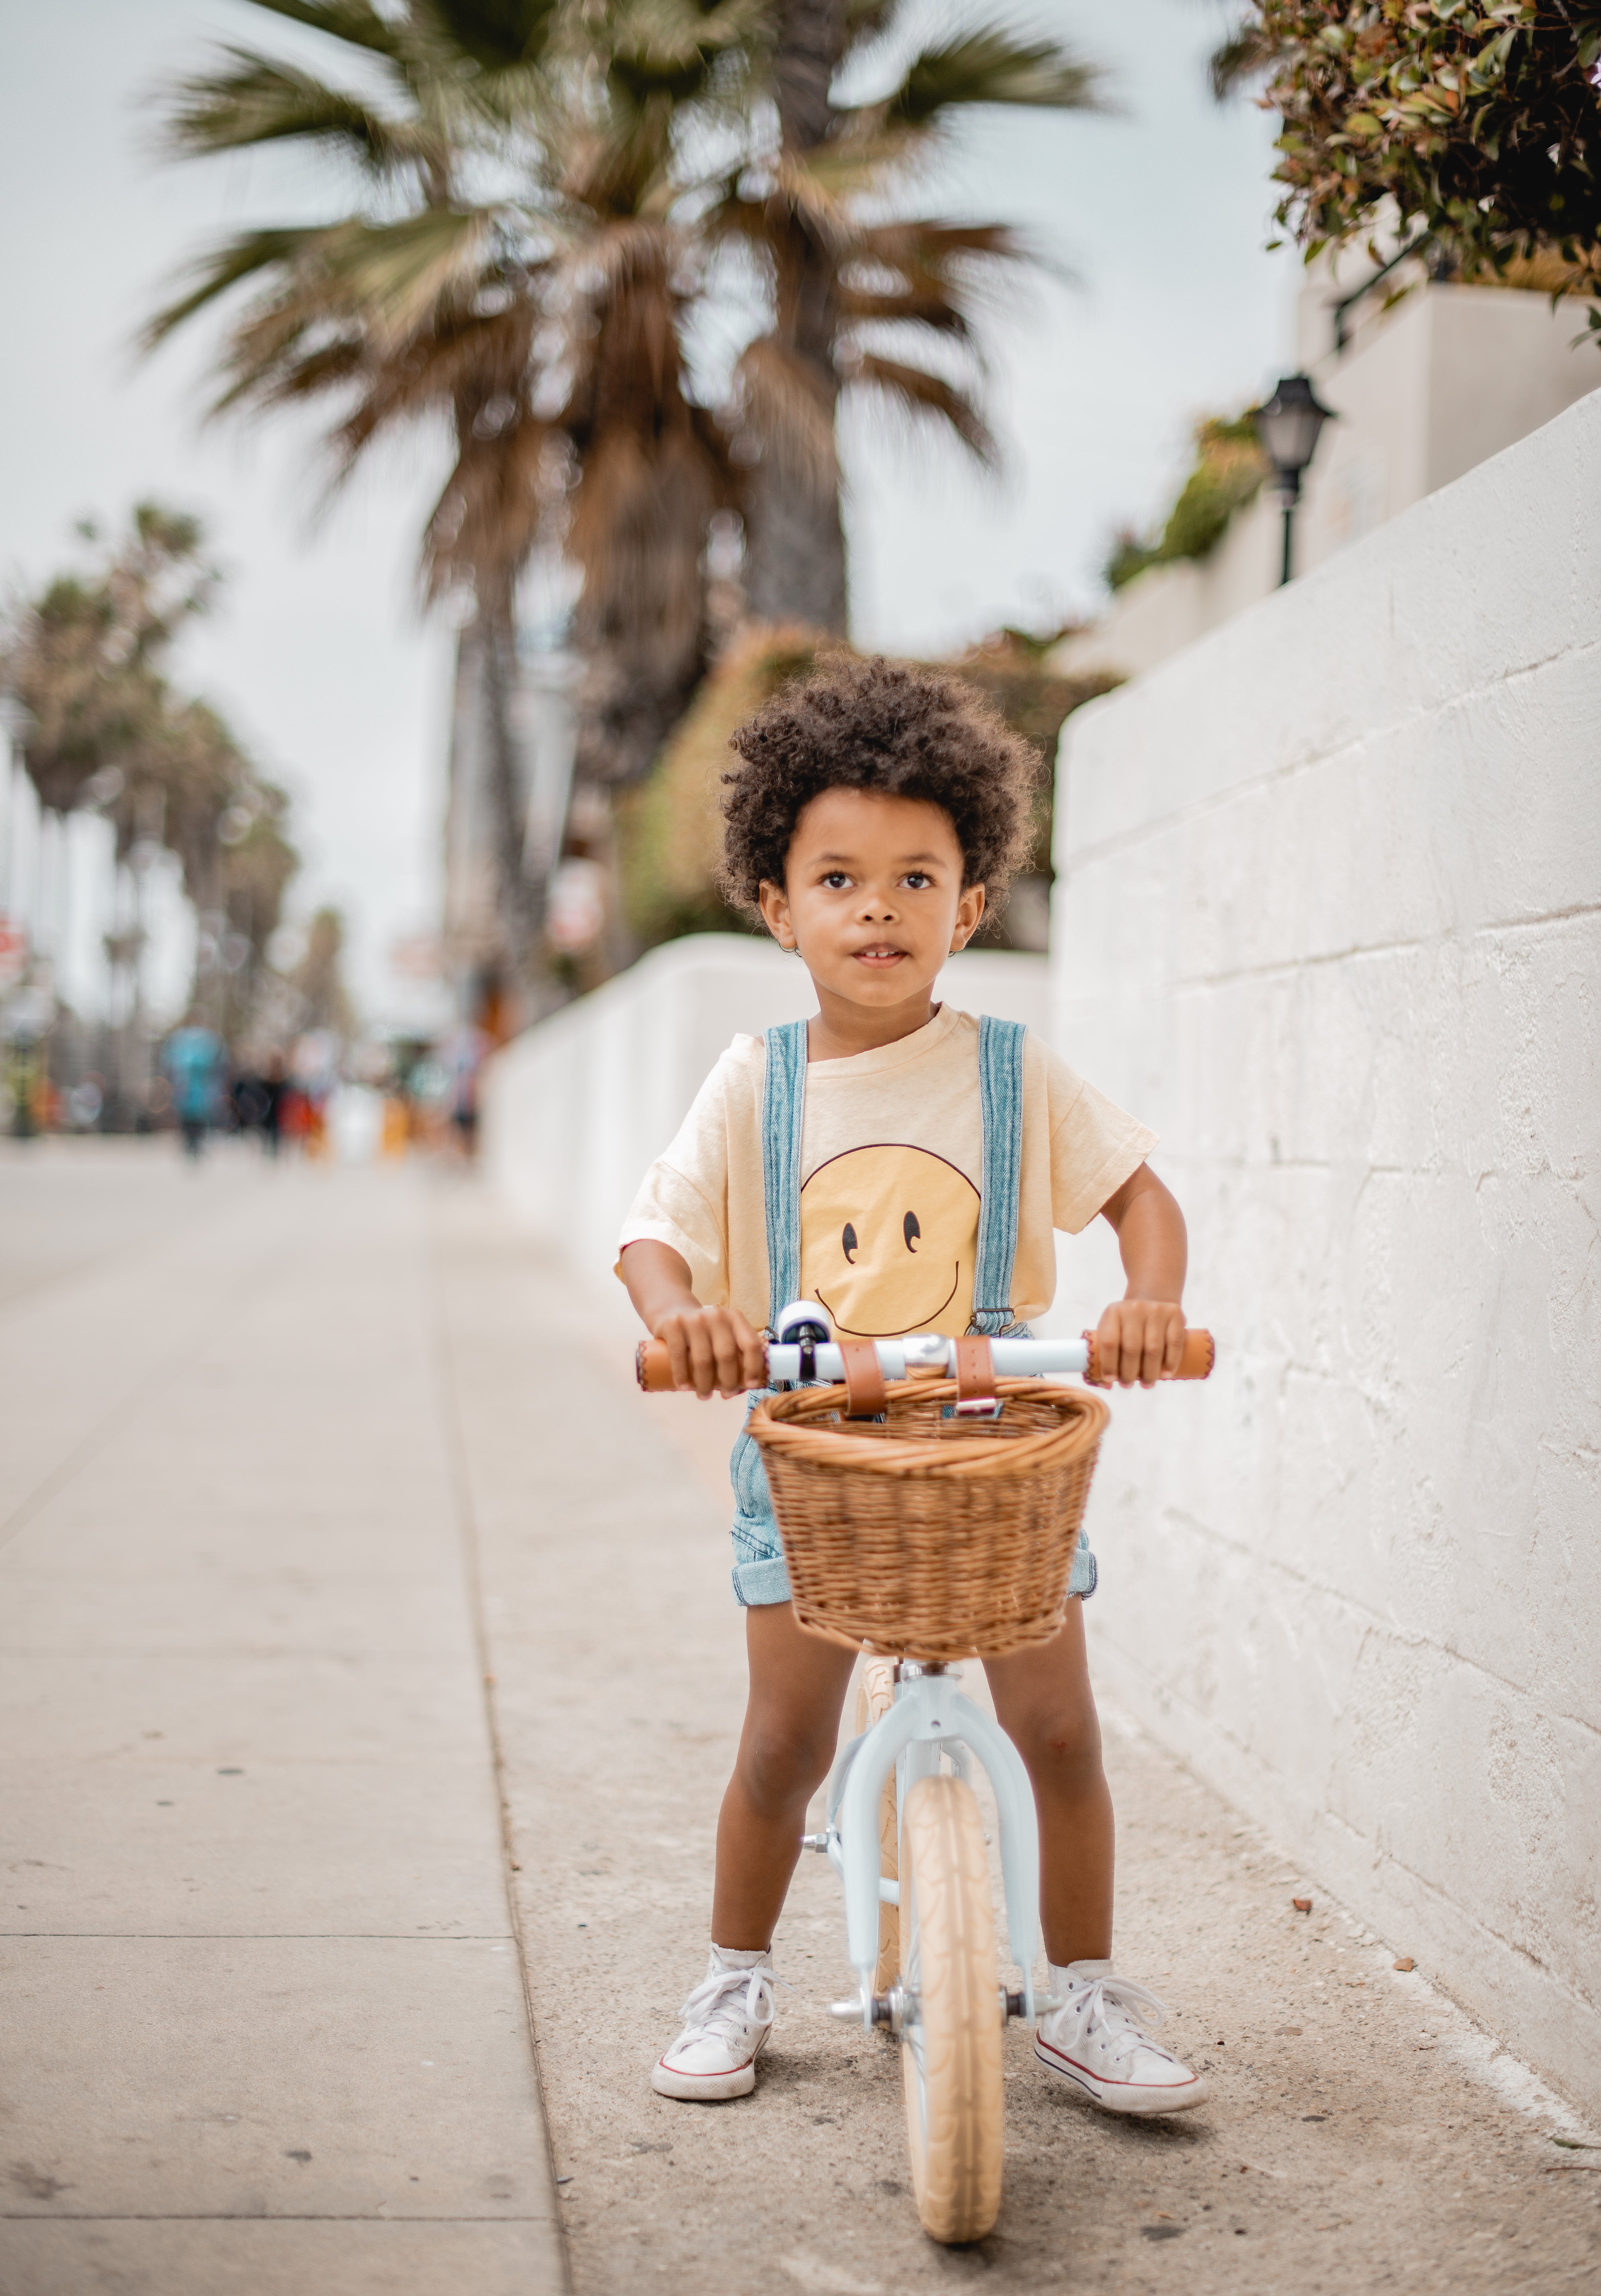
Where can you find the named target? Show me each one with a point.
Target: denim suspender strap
(1000, 1101)
(783, 1113)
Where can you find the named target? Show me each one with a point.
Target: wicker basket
(935, 1538)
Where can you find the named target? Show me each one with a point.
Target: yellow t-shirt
(891, 1163)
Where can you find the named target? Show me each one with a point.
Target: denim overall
(759, 1572)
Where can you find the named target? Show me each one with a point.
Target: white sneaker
(726, 2021)
(1097, 2041)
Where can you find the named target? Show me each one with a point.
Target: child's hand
(1139, 1339)
(712, 1350)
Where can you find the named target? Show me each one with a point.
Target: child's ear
(776, 914)
(970, 910)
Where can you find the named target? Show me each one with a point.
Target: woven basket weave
(933, 1537)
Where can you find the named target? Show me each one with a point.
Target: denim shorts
(761, 1574)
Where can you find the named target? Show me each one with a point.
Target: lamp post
(1288, 427)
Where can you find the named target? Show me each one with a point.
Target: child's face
(873, 896)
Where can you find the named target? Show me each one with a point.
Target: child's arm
(713, 1349)
(1141, 1335)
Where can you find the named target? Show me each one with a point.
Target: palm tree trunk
(795, 565)
(494, 915)
(520, 902)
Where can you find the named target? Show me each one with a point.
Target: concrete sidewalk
(265, 2025)
(294, 1460)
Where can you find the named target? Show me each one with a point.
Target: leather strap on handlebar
(864, 1379)
(975, 1371)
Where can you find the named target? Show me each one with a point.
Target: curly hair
(893, 730)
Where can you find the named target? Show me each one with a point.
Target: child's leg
(798, 1685)
(1046, 1707)
(1095, 2039)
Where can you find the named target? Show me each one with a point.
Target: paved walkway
(369, 1680)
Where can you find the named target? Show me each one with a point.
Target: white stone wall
(574, 1111)
(1327, 916)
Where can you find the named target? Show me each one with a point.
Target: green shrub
(1229, 467)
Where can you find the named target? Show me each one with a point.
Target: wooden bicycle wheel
(951, 2050)
(874, 1696)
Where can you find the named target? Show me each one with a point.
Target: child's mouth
(880, 959)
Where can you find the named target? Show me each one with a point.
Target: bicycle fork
(930, 1717)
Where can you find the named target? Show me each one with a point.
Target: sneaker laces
(727, 1999)
(1110, 2007)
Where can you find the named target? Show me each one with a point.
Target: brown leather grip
(653, 1368)
(1199, 1355)
(975, 1371)
(864, 1379)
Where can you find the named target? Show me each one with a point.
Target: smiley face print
(887, 1239)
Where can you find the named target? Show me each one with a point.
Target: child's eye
(916, 879)
(835, 879)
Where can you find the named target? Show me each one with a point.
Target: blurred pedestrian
(275, 1084)
(193, 1059)
(259, 1101)
(462, 1056)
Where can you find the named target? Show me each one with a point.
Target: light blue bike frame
(930, 1717)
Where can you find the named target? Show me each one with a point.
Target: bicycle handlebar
(932, 1351)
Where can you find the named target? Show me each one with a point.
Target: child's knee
(781, 1765)
(1062, 1743)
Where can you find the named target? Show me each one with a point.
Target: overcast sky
(317, 652)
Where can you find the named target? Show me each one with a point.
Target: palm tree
(102, 726)
(85, 659)
(862, 301)
(509, 265)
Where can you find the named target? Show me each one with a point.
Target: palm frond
(623, 346)
(830, 178)
(666, 42)
(865, 20)
(227, 266)
(1235, 59)
(880, 294)
(288, 348)
(916, 392)
(297, 375)
(480, 530)
(480, 369)
(390, 274)
(256, 100)
(637, 530)
(618, 253)
(932, 244)
(992, 65)
(498, 35)
(354, 22)
(395, 272)
(820, 188)
(947, 276)
(506, 104)
(788, 412)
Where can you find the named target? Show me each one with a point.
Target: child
(878, 812)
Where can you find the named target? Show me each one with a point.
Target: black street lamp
(1288, 427)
